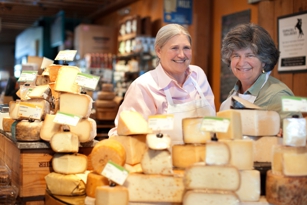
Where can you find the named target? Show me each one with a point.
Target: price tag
(161, 122)
(115, 173)
(46, 62)
(215, 124)
(65, 118)
(87, 80)
(27, 76)
(293, 104)
(67, 55)
(29, 110)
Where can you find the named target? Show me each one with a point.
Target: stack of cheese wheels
(286, 181)
(105, 105)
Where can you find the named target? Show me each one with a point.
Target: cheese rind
(184, 156)
(192, 133)
(217, 153)
(250, 185)
(235, 127)
(49, 128)
(86, 129)
(107, 195)
(194, 197)
(28, 131)
(69, 163)
(93, 181)
(200, 176)
(63, 142)
(76, 104)
(132, 123)
(157, 162)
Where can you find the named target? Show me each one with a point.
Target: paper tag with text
(115, 173)
(87, 81)
(65, 118)
(30, 110)
(66, 55)
(27, 76)
(293, 104)
(215, 124)
(161, 122)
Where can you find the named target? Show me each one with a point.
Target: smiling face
(246, 66)
(175, 55)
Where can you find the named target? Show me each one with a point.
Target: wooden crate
(29, 166)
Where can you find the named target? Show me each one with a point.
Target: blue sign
(178, 11)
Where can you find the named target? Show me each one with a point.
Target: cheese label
(27, 76)
(87, 81)
(65, 118)
(67, 55)
(46, 62)
(161, 122)
(30, 110)
(293, 104)
(215, 124)
(115, 173)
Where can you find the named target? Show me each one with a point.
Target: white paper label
(215, 124)
(67, 119)
(87, 81)
(161, 122)
(66, 55)
(29, 110)
(115, 173)
(27, 76)
(294, 104)
(46, 62)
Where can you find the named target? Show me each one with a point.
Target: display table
(29, 163)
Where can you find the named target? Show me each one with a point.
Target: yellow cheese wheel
(93, 181)
(105, 150)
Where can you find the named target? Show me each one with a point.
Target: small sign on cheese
(29, 110)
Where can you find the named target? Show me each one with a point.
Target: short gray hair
(254, 37)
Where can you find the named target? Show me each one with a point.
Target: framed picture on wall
(292, 42)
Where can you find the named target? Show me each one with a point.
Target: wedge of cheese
(49, 128)
(41, 104)
(134, 145)
(64, 142)
(154, 188)
(194, 197)
(158, 141)
(235, 126)
(201, 176)
(285, 190)
(69, 163)
(105, 150)
(41, 92)
(52, 72)
(294, 163)
(259, 122)
(86, 129)
(294, 132)
(250, 186)
(192, 133)
(132, 123)
(76, 104)
(26, 130)
(184, 156)
(217, 153)
(65, 184)
(157, 162)
(93, 181)
(112, 195)
(66, 80)
(137, 168)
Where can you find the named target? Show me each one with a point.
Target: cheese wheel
(157, 162)
(93, 181)
(250, 185)
(49, 128)
(158, 142)
(65, 184)
(283, 190)
(192, 133)
(235, 127)
(105, 104)
(263, 147)
(42, 104)
(217, 153)
(66, 80)
(195, 197)
(64, 142)
(107, 195)
(184, 156)
(107, 87)
(69, 163)
(135, 146)
(7, 124)
(200, 176)
(294, 163)
(105, 150)
(103, 95)
(86, 129)
(28, 131)
(76, 104)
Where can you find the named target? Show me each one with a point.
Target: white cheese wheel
(135, 146)
(184, 156)
(76, 104)
(28, 131)
(294, 132)
(158, 142)
(65, 184)
(235, 127)
(93, 181)
(200, 176)
(66, 80)
(157, 162)
(69, 163)
(64, 142)
(105, 150)
(107, 195)
(250, 186)
(192, 133)
(103, 95)
(49, 128)
(86, 129)
(194, 197)
(217, 153)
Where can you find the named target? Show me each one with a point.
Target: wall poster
(178, 11)
(292, 43)
(228, 79)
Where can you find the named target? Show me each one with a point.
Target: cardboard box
(94, 39)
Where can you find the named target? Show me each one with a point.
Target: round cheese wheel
(105, 104)
(28, 131)
(105, 150)
(102, 95)
(93, 181)
(283, 190)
